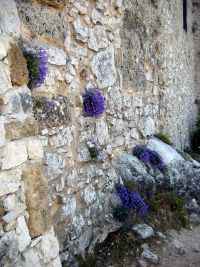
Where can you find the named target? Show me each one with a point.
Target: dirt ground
(174, 249)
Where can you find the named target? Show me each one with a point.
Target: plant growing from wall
(132, 204)
(37, 67)
(94, 103)
(93, 149)
(149, 156)
(164, 139)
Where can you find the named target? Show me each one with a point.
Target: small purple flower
(148, 156)
(49, 104)
(132, 201)
(36, 63)
(94, 103)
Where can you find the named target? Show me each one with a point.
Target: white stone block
(12, 155)
(9, 202)
(10, 181)
(22, 232)
(35, 149)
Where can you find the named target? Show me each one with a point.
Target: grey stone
(26, 101)
(151, 256)
(103, 66)
(54, 167)
(81, 31)
(168, 153)
(147, 126)
(133, 171)
(10, 23)
(145, 231)
(8, 249)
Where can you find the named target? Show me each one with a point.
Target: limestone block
(96, 16)
(64, 137)
(24, 127)
(4, 78)
(92, 41)
(147, 126)
(4, 44)
(10, 23)
(14, 214)
(81, 31)
(31, 258)
(89, 194)
(103, 66)
(102, 132)
(12, 155)
(2, 133)
(22, 233)
(83, 154)
(68, 209)
(52, 113)
(9, 202)
(35, 149)
(81, 9)
(10, 181)
(54, 164)
(56, 56)
(55, 262)
(101, 36)
(49, 247)
(36, 199)
(11, 103)
(18, 67)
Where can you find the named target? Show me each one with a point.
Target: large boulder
(181, 173)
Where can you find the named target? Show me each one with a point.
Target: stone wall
(196, 32)
(140, 57)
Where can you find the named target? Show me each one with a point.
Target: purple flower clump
(132, 201)
(94, 103)
(148, 156)
(37, 67)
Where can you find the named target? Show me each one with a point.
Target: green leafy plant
(94, 152)
(164, 138)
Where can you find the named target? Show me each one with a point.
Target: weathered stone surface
(23, 237)
(9, 202)
(133, 171)
(81, 31)
(12, 155)
(145, 231)
(64, 137)
(53, 3)
(10, 23)
(5, 78)
(53, 112)
(10, 181)
(37, 199)
(8, 249)
(18, 67)
(14, 214)
(89, 194)
(68, 209)
(169, 154)
(35, 149)
(102, 132)
(49, 247)
(55, 164)
(16, 129)
(103, 66)
(147, 126)
(149, 255)
(2, 133)
(4, 44)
